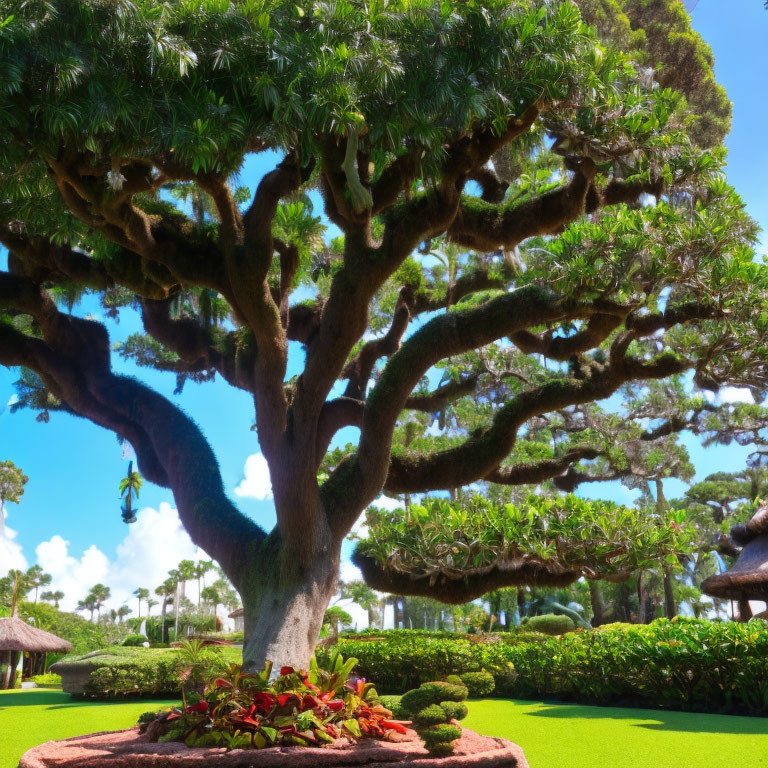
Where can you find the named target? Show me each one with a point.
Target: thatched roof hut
(17, 637)
(748, 578)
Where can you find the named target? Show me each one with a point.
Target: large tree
(594, 245)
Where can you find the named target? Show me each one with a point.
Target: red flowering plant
(241, 710)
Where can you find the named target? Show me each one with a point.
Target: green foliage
(680, 664)
(134, 640)
(12, 482)
(47, 681)
(392, 703)
(548, 624)
(452, 537)
(121, 671)
(84, 635)
(479, 684)
(399, 660)
(240, 710)
(431, 708)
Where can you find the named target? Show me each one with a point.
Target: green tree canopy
(589, 243)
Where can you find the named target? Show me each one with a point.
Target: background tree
(122, 612)
(12, 482)
(361, 594)
(201, 568)
(54, 597)
(141, 594)
(167, 592)
(150, 605)
(37, 578)
(600, 246)
(88, 603)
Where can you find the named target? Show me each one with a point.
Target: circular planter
(127, 749)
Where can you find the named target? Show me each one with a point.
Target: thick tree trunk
(598, 605)
(284, 609)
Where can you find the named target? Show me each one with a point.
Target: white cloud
(153, 545)
(348, 571)
(72, 575)
(735, 395)
(256, 483)
(386, 502)
(11, 555)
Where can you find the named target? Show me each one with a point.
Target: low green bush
(479, 684)
(120, 671)
(549, 624)
(392, 703)
(134, 641)
(686, 664)
(399, 660)
(431, 708)
(47, 681)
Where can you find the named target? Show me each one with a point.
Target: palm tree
(211, 595)
(150, 604)
(87, 604)
(361, 594)
(201, 569)
(130, 486)
(99, 593)
(52, 597)
(122, 612)
(141, 594)
(166, 591)
(37, 578)
(19, 586)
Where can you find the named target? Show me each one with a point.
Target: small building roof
(236, 614)
(17, 635)
(748, 578)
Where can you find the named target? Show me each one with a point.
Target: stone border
(127, 749)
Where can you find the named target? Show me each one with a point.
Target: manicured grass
(28, 718)
(572, 736)
(553, 736)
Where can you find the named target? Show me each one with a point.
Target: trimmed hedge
(121, 671)
(549, 624)
(685, 664)
(479, 684)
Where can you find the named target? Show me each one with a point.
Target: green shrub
(134, 640)
(84, 635)
(392, 703)
(431, 707)
(479, 684)
(134, 671)
(549, 624)
(399, 660)
(47, 681)
(688, 664)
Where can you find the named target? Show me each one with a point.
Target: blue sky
(74, 467)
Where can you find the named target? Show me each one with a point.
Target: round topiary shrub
(478, 684)
(392, 703)
(434, 709)
(549, 624)
(134, 640)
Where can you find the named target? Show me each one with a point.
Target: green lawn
(28, 718)
(573, 736)
(553, 736)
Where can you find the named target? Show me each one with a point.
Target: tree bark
(670, 606)
(284, 602)
(598, 605)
